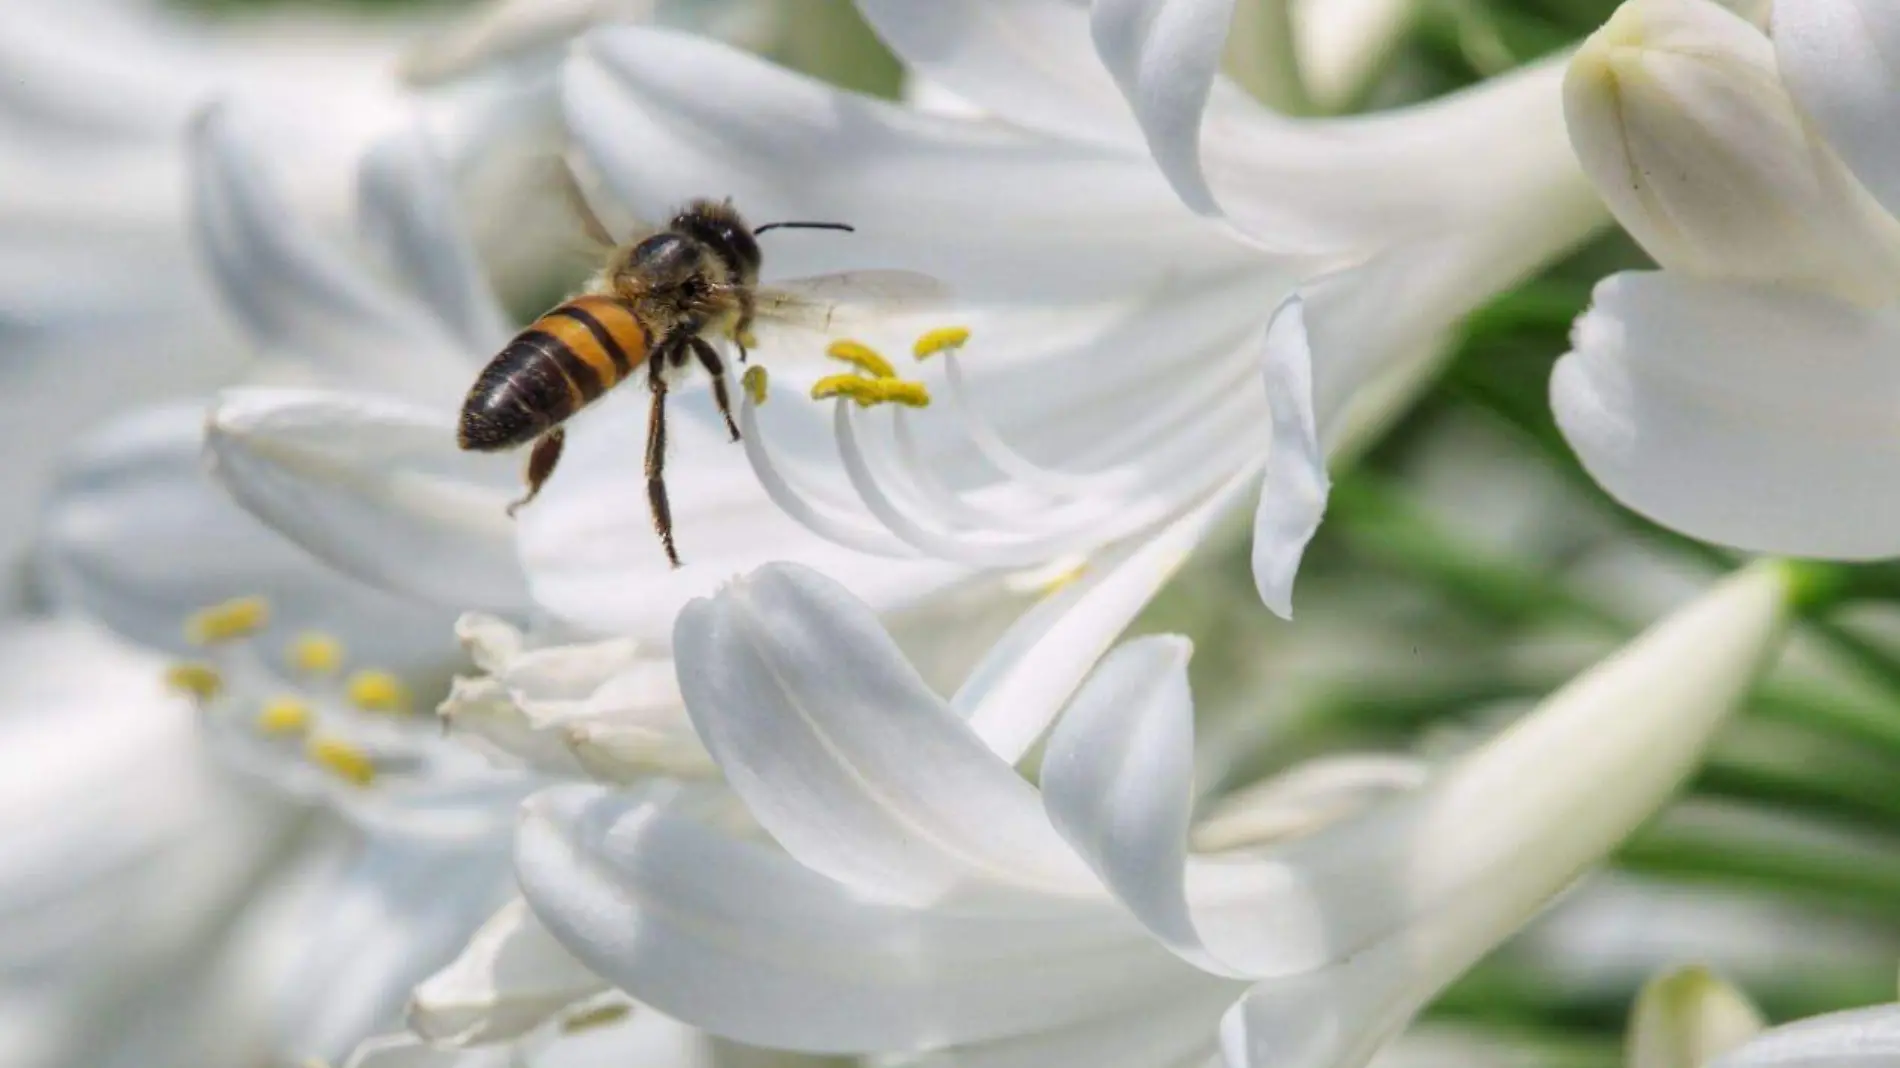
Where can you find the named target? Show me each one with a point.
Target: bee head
(720, 227)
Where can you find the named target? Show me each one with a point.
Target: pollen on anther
(754, 381)
(867, 392)
(194, 677)
(284, 715)
(377, 691)
(942, 339)
(863, 357)
(315, 653)
(237, 618)
(344, 760)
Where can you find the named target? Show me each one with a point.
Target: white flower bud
(1688, 1017)
(1679, 116)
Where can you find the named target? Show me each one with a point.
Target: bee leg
(547, 453)
(709, 359)
(656, 466)
(742, 326)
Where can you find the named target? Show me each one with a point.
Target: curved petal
(1857, 1038)
(296, 296)
(510, 978)
(846, 757)
(376, 488)
(1118, 779)
(136, 535)
(743, 941)
(1165, 54)
(1750, 416)
(1337, 339)
(666, 117)
(587, 543)
(1840, 59)
(407, 208)
(1029, 62)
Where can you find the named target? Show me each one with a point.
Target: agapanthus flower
(1738, 394)
(917, 895)
(1119, 332)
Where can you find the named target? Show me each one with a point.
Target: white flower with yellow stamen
(1109, 383)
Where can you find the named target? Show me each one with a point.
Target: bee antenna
(846, 227)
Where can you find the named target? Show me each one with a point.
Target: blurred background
(1467, 567)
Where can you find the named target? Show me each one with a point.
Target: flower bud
(1686, 1018)
(1679, 116)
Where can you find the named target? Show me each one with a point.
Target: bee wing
(849, 302)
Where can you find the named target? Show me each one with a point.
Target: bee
(659, 304)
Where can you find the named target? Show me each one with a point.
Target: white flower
(929, 899)
(1858, 1038)
(1686, 1018)
(1739, 394)
(1109, 381)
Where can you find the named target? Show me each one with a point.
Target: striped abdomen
(554, 368)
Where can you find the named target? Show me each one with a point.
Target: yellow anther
(284, 715)
(315, 653)
(942, 339)
(239, 617)
(863, 357)
(377, 691)
(754, 381)
(344, 760)
(196, 678)
(599, 1016)
(869, 391)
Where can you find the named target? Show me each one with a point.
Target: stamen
(596, 1017)
(346, 761)
(942, 339)
(754, 382)
(869, 391)
(863, 357)
(797, 502)
(315, 653)
(284, 715)
(1063, 579)
(377, 691)
(237, 618)
(194, 677)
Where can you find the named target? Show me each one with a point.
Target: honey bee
(660, 302)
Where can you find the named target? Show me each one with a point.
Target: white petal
(741, 940)
(1750, 416)
(406, 906)
(1165, 54)
(407, 205)
(375, 487)
(1467, 860)
(511, 978)
(408, 1051)
(293, 292)
(1030, 62)
(666, 117)
(587, 542)
(1306, 797)
(1679, 116)
(1858, 1038)
(504, 30)
(1118, 779)
(1335, 339)
(137, 536)
(1014, 693)
(1837, 58)
(846, 757)
(1687, 1017)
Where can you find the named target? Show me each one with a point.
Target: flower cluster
(958, 715)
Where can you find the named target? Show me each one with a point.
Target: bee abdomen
(554, 368)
